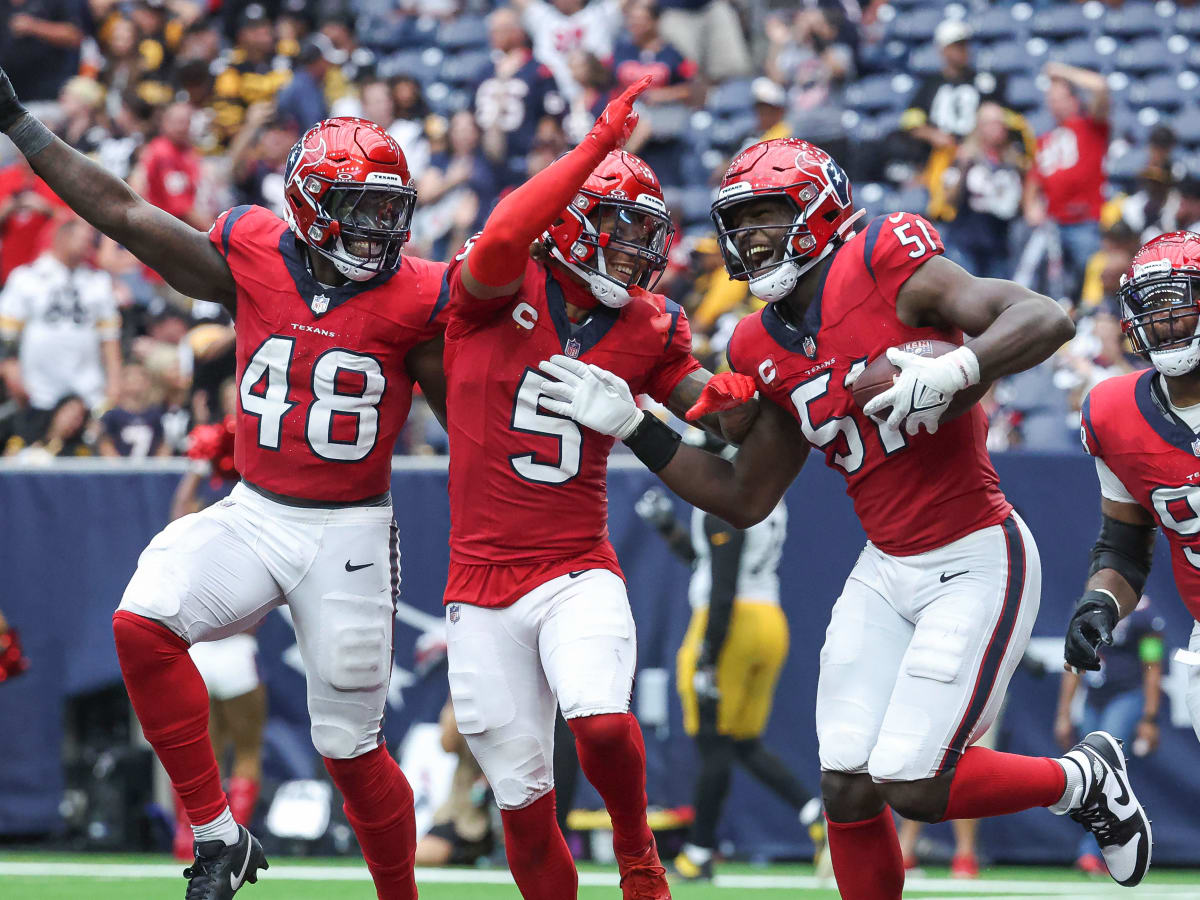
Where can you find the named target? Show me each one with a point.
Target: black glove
(10, 107)
(1091, 624)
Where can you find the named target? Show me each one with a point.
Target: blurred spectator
(1103, 274)
(642, 52)
(40, 42)
(258, 155)
(983, 192)
(124, 66)
(561, 27)
(1123, 698)
(805, 56)
(456, 190)
(1067, 186)
(1188, 214)
(133, 426)
(770, 109)
(462, 826)
(1160, 151)
(251, 72)
(27, 210)
(512, 101)
(1154, 207)
(128, 125)
(944, 108)
(59, 323)
(303, 100)
(81, 105)
(168, 173)
(595, 81)
(710, 32)
(66, 434)
(408, 126)
(713, 292)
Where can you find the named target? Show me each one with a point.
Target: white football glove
(593, 397)
(924, 388)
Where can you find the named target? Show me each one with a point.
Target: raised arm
(181, 254)
(496, 262)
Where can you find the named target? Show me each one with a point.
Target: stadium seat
(916, 26)
(465, 32)
(732, 98)
(1006, 58)
(1132, 20)
(407, 62)
(692, 205)
(879, 92)
(1124, 166)
(1063, 21)
(669, 121)
(1187, 126)
(1023, 93)
(466, 68)
(1187, 22)
(1161, 92)
(1095, 54)
(925, 60)
(1142, 55)
(1040, 120)
(728, 134)
(996, 24)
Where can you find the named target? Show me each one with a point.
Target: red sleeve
(436, 285)
(465, 307)
(676, 361)
(221, 232)
(895, 246)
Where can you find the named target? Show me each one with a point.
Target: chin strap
(780, 281)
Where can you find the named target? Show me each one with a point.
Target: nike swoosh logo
(576, 574)
(350, 568)
(235, 882)
(946, 577)
(1121, 805)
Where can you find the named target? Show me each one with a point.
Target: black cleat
(220, 869)
(1109, 809)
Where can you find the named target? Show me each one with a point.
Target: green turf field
(31, 876)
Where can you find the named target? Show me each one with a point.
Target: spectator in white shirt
(559, 28)
(60, 326)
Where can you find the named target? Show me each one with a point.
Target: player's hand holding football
(726, 391)
(10, 107)
(618, 120)
(593, 397)
(1091, 625)
(924, 388)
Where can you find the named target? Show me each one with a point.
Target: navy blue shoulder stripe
(675, 310)
(1086, 416)
(869, 243)
(234, 214)
(443, 297)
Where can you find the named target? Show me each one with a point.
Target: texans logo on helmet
(838, 182)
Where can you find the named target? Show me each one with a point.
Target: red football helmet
(619, 208)
(349, 196)
(1160, 302)
(818, 212)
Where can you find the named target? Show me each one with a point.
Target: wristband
(30, 136)
(653, 442)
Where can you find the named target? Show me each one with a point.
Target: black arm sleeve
(725, 552)
(1126, 549)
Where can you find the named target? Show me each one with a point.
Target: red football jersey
(528, 495)
(323, 386)
(172, 175)
(1069, 165)
(1128, 424)
(911, 494)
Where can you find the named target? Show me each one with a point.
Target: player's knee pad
(519, 768)
(940, 643)
(479, 687)
(354, 644)
(843, 747)
(903, 750)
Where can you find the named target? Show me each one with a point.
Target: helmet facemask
(360, 228)
(1161, 317)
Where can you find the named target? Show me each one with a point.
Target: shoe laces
(199, 875)
(1098, 821)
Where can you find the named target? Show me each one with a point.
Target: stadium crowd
(1045, 141)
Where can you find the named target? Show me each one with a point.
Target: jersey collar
(801, 338)
(1158, 415)
(577, 338)
(317, 297)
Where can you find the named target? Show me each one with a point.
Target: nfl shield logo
(320, 303)
(572, 348)
(1196, 446)
(809, 346)
(454, 613)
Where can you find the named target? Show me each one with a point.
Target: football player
(939, 607)
(537, 612)
(333, 324)
(1144, 431)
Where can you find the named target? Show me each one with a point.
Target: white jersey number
(822, 434)
(528, 419)
(264, 392)
(1178, 509)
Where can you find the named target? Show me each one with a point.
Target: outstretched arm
(495, 265)
(183, 255)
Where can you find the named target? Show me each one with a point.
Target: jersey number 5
(264, 392)
(528, 419)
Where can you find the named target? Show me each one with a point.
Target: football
(877, 378)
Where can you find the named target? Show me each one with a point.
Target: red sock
(866, 858)
(613, 757)
(379, 805)
(243, 795)
(171, 702)
(538, 857)
(990, 783)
